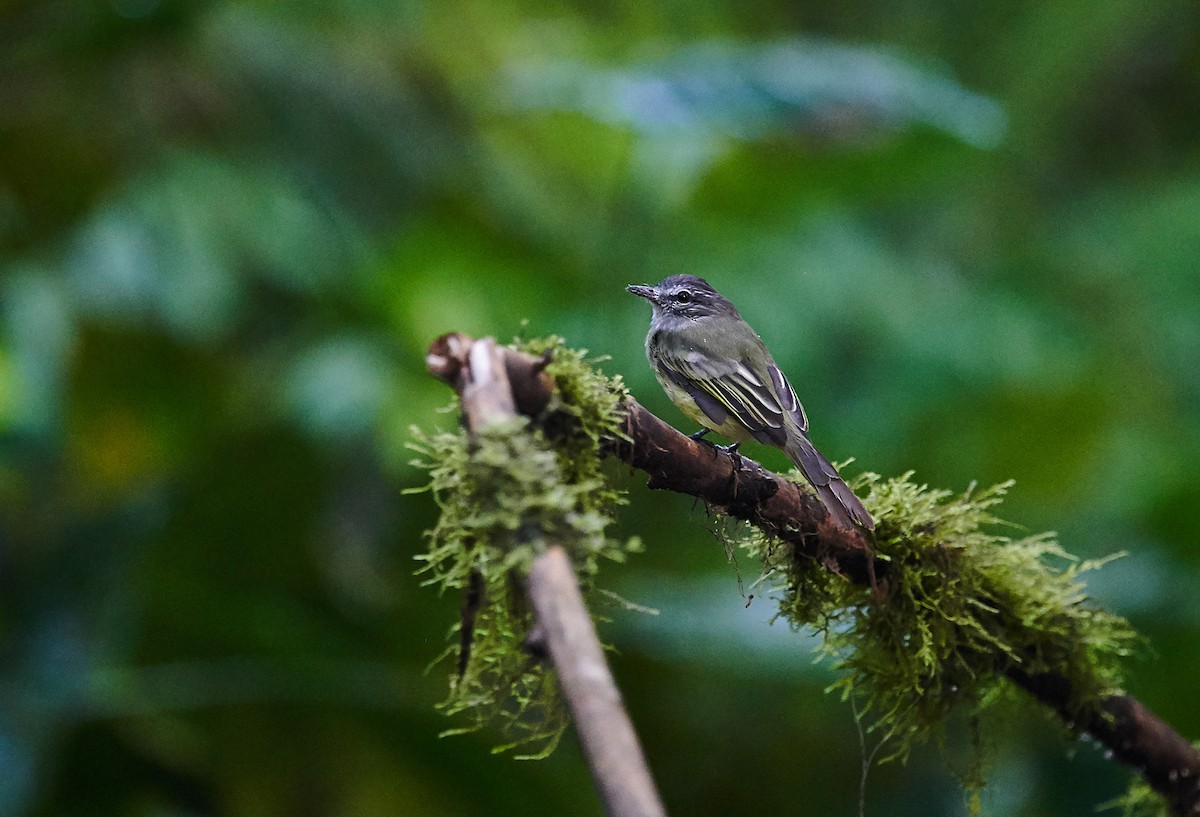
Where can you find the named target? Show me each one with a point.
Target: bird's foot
(732, 451)
(699, 437)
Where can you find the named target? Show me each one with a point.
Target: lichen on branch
(958, 606)
(504, 494)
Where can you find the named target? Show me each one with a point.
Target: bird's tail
(846, 508)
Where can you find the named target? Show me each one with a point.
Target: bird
(718, 371)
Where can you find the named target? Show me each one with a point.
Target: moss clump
(959, 604)
(504, 495)
(1140, 800)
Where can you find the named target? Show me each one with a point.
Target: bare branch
(605, 731)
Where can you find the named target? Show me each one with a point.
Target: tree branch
(605, 731)
(1132, 733)
(485, 376)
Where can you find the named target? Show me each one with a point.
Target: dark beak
(649, 293)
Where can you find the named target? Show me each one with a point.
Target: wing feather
(734, 388)
(787, 397)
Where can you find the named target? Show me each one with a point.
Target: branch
(1132, 733)
(485, 376)
(609, 742)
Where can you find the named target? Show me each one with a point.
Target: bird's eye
(684, 297)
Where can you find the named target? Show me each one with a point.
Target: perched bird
(715, 368)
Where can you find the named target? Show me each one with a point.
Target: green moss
(503, 496)
(957, 605)
(1140, 800)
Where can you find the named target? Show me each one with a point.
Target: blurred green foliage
(229, 230)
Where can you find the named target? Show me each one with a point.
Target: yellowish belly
(730, 429)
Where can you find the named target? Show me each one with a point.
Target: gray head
(684, 296)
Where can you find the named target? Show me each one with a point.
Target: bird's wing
(724, 386)
(787, 397)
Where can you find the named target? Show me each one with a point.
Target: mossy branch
(520, 517)
(933, 611)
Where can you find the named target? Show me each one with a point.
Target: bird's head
(684, 296)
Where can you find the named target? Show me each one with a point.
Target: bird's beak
(649, 293)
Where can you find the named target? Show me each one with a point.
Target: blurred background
(230, 229)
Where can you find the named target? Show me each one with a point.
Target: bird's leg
(699, 437)
(731, 449)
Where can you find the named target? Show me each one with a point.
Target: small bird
(717, 370)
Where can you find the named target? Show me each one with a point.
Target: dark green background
(228, 231)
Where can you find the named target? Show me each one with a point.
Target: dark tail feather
(843, 505)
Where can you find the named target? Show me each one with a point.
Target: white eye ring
(684, 297)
